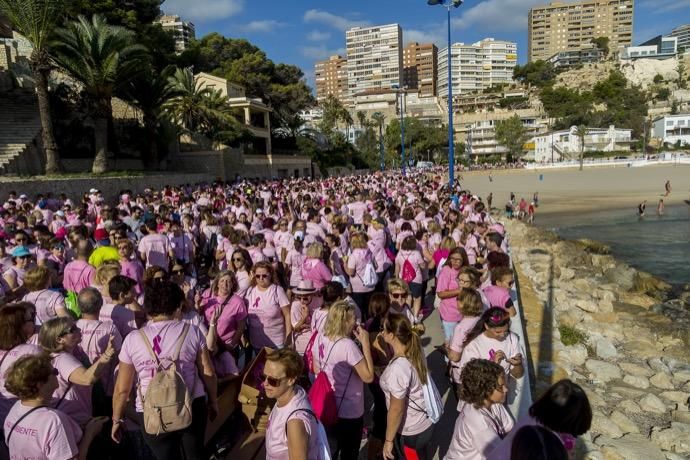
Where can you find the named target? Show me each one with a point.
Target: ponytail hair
(401, 328)
(493, 317)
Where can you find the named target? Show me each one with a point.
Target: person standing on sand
(489, 199)
(660, 208)
(530, 212)
(640, 208)
(667, 186)
(535, 199)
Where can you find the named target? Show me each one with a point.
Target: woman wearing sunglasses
(17, 325)
(400, 299)
(49, 304)
(242, 266)
(60, 337)
(35, 429)
(301, 311)
(347, 368)
(165, 335)
(227, 307)
(269, 309)
(14, 276)
(292, 427)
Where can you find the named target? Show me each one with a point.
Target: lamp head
(457, 3)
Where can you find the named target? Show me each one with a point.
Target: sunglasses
(271, 381)
(261, 277)
(237, 259)
(25, 257)
(178, 272)
(303, 297)
(398, 296)
(71, 330)
(20, 240)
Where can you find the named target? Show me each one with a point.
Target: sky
(300, 32)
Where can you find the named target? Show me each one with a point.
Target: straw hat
(304, 287)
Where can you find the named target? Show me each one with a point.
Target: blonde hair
(397, 283)
(36, 278)
(216, 280)
(105, 272)
(51, 331)
(401, 328)
(447, 243)
(470, 302)
(340, 314)
(315, 250)
(358, 241)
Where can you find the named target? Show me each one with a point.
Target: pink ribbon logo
(157, 345)
(256, 302)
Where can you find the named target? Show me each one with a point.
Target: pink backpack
(322, 395)
(408, 271)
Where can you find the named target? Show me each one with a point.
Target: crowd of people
(119, 321)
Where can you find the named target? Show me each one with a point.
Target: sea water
(659, 245)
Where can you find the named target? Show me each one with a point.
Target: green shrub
(571, 336)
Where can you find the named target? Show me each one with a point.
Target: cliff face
(599, 322)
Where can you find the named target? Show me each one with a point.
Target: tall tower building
(420, 68)
(374, 58)
(331, 78)
(183, 32)
(570, 26)
(477, 66)
(682, 33)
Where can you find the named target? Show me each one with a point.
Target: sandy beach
(571, 190)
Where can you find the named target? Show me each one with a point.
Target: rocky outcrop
(611, 333)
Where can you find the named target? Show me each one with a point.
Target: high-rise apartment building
(331, 78)
(182, 31)
(420, 68)
(682, 33)
(477, 66)
(374, 58)
(569, 26)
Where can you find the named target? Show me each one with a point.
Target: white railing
(624, 162)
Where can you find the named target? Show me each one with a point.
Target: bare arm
(297, 440)
(395, 413)
(288, 324)
(86, 377)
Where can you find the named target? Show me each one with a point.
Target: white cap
(93, 190)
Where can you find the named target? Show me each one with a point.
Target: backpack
(322, 395)
(370, 279)
(432, 401)
(408, 271)
(439, 268)
(168, 402)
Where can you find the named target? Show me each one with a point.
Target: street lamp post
(400, 97)
(451, 138)
(380, 118)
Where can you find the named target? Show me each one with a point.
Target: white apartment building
(682, 33)
(477, 66)
(566, 144)
(374, 58)
(670, 129)
(478, 130)
(183, 32)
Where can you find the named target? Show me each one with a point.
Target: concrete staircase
(20, 128)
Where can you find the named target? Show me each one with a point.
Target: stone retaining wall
(110, 186)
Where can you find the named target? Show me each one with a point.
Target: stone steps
(20, 125)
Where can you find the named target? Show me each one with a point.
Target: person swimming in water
(660, 208)
(641, 207)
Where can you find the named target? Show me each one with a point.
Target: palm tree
(362, 118)
(103, 58)
(36, 20)
(201, 110)
(581, 133)
(149, 92)
(380, 118)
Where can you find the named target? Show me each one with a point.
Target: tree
(538, 73)
(36, 20)
(511, 134)
(658, 78)
(102, 58)
(581, 133)
(603, 44)
(149, 91)
(362, 119)
(368, 147)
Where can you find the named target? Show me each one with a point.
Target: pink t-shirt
(316, 271)
(47, 303)
(357, 210)
(377, 246)
(358, 261)
(458, 339)
(163, 337)
(243, 283)
(415, 258)
(276, 432)
(400, 380)
(234, 311)
(44, 434)
(294, 261)
(155, 250)
(301, 338)
(338, 359)
(482, 347)
(7, 399)
(135, 270)
(476, 431)
(95, 335)
(225, 365)
(266, 320)
(78, 275)
(77, 398)
(448, 281)
(318, 320)
(121, 316)
(497, 296)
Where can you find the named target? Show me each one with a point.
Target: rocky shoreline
(617, 332)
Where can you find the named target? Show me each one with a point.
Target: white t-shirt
(478, 431)
(401, 381)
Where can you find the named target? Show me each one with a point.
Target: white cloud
(496, 16)
(267, 25)
(203, 10)
(437, 35)
(332, 20)
(664, 6)
(320, 52)
(318, 36)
